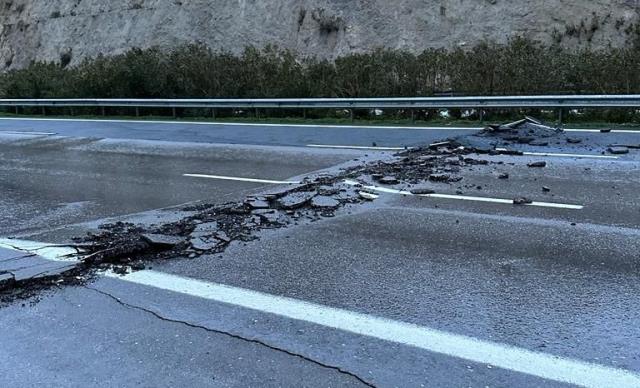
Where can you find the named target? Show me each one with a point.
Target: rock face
(71, 30)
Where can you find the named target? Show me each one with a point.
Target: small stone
(618, 150)
(525, 140)
(324, 202)
(546, 189)
(389, 180)
(504, 175)
(522, 201)
(537, 164)
(573, 140)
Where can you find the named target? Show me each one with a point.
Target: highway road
(404, 291)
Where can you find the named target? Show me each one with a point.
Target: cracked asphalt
(558, 282)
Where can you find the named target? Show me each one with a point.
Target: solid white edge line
(240, 179)
(569, 155)
(464, 197)
(546, 366)
(349, 147)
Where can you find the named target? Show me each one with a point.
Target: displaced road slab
(79, 337)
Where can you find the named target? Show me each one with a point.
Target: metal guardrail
(564, 101)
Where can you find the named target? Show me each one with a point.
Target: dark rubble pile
(124, 247)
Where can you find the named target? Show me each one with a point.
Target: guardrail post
(213, 113)
(103, 111)
(173, 110)
(72, 112)
(304, 113)
(17, 111)
(413, 116)
(351, 115)
(44, 111)
(560, 117)
(481, 116)
(137, 111)
(258, 113)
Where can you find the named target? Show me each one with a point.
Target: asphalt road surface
(401, 292)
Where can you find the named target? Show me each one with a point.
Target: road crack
(234, 336)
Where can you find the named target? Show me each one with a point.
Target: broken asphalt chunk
(389, 180)
(618, 150)
(504, 175)
(257, 204)
(573, 140)
(439, 177)
(205, 244)
(162, 240)
(605, 130)
(6, 280)
(295, 200)
(537, 164)
(324, 202)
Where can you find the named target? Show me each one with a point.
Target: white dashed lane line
(387, 190)
(240, 179)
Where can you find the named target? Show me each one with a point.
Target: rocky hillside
(69, 30)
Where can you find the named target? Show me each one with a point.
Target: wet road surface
(532, 284)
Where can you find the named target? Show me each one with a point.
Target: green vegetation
(195, 71)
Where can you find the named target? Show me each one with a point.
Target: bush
(197, 71)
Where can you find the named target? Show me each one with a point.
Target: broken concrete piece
(618, 150)
(324, 202)
(522, 201)
(295, 200)
(537, 164)
(504, 175)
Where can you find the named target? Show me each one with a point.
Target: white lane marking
(464, 197)
(570, 155)
(48, 251)
(239, 179)
(546, 366)
(350, 147)
(27, 133)
(564, 155)
(504, 356)
(285, 125)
